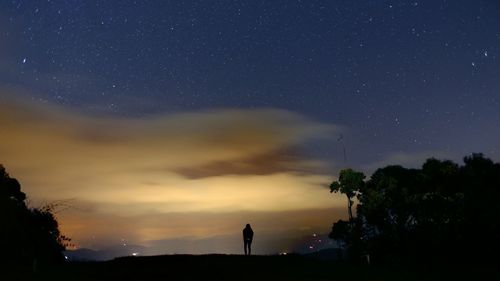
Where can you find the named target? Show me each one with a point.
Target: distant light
(314, 235)
(24, 60)
(135, 254)
(311, 247)
(66, 257)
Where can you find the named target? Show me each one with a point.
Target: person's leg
(245, 244)
(249, 248)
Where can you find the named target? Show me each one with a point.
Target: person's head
(248, 225)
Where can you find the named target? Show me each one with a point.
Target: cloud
(155, 229)
(269, 163)
(207, 162)
(172, 141)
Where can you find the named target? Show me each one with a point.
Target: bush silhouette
(30, 236)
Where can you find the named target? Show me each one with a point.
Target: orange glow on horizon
(162, 177)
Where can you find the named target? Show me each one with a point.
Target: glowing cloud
(219, 162)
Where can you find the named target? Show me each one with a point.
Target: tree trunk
(349, 206)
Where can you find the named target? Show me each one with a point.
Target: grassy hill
(234, 267)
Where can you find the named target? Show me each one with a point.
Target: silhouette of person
(247, 239)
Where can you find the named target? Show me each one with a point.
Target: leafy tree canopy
(350, 183)
(29, 236)
(442, 211)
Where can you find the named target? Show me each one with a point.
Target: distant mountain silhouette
(109, 253)
(305, 245)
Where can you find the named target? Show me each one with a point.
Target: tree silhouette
(341, 232)
(442, 212)
(350, 182)
(29, 236)
(10, 187)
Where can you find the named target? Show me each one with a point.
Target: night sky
(270, 91)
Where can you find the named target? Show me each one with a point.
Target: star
(380, 77)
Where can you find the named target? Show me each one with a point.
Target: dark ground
(234, 267)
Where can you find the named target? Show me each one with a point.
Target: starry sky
(192, 118)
